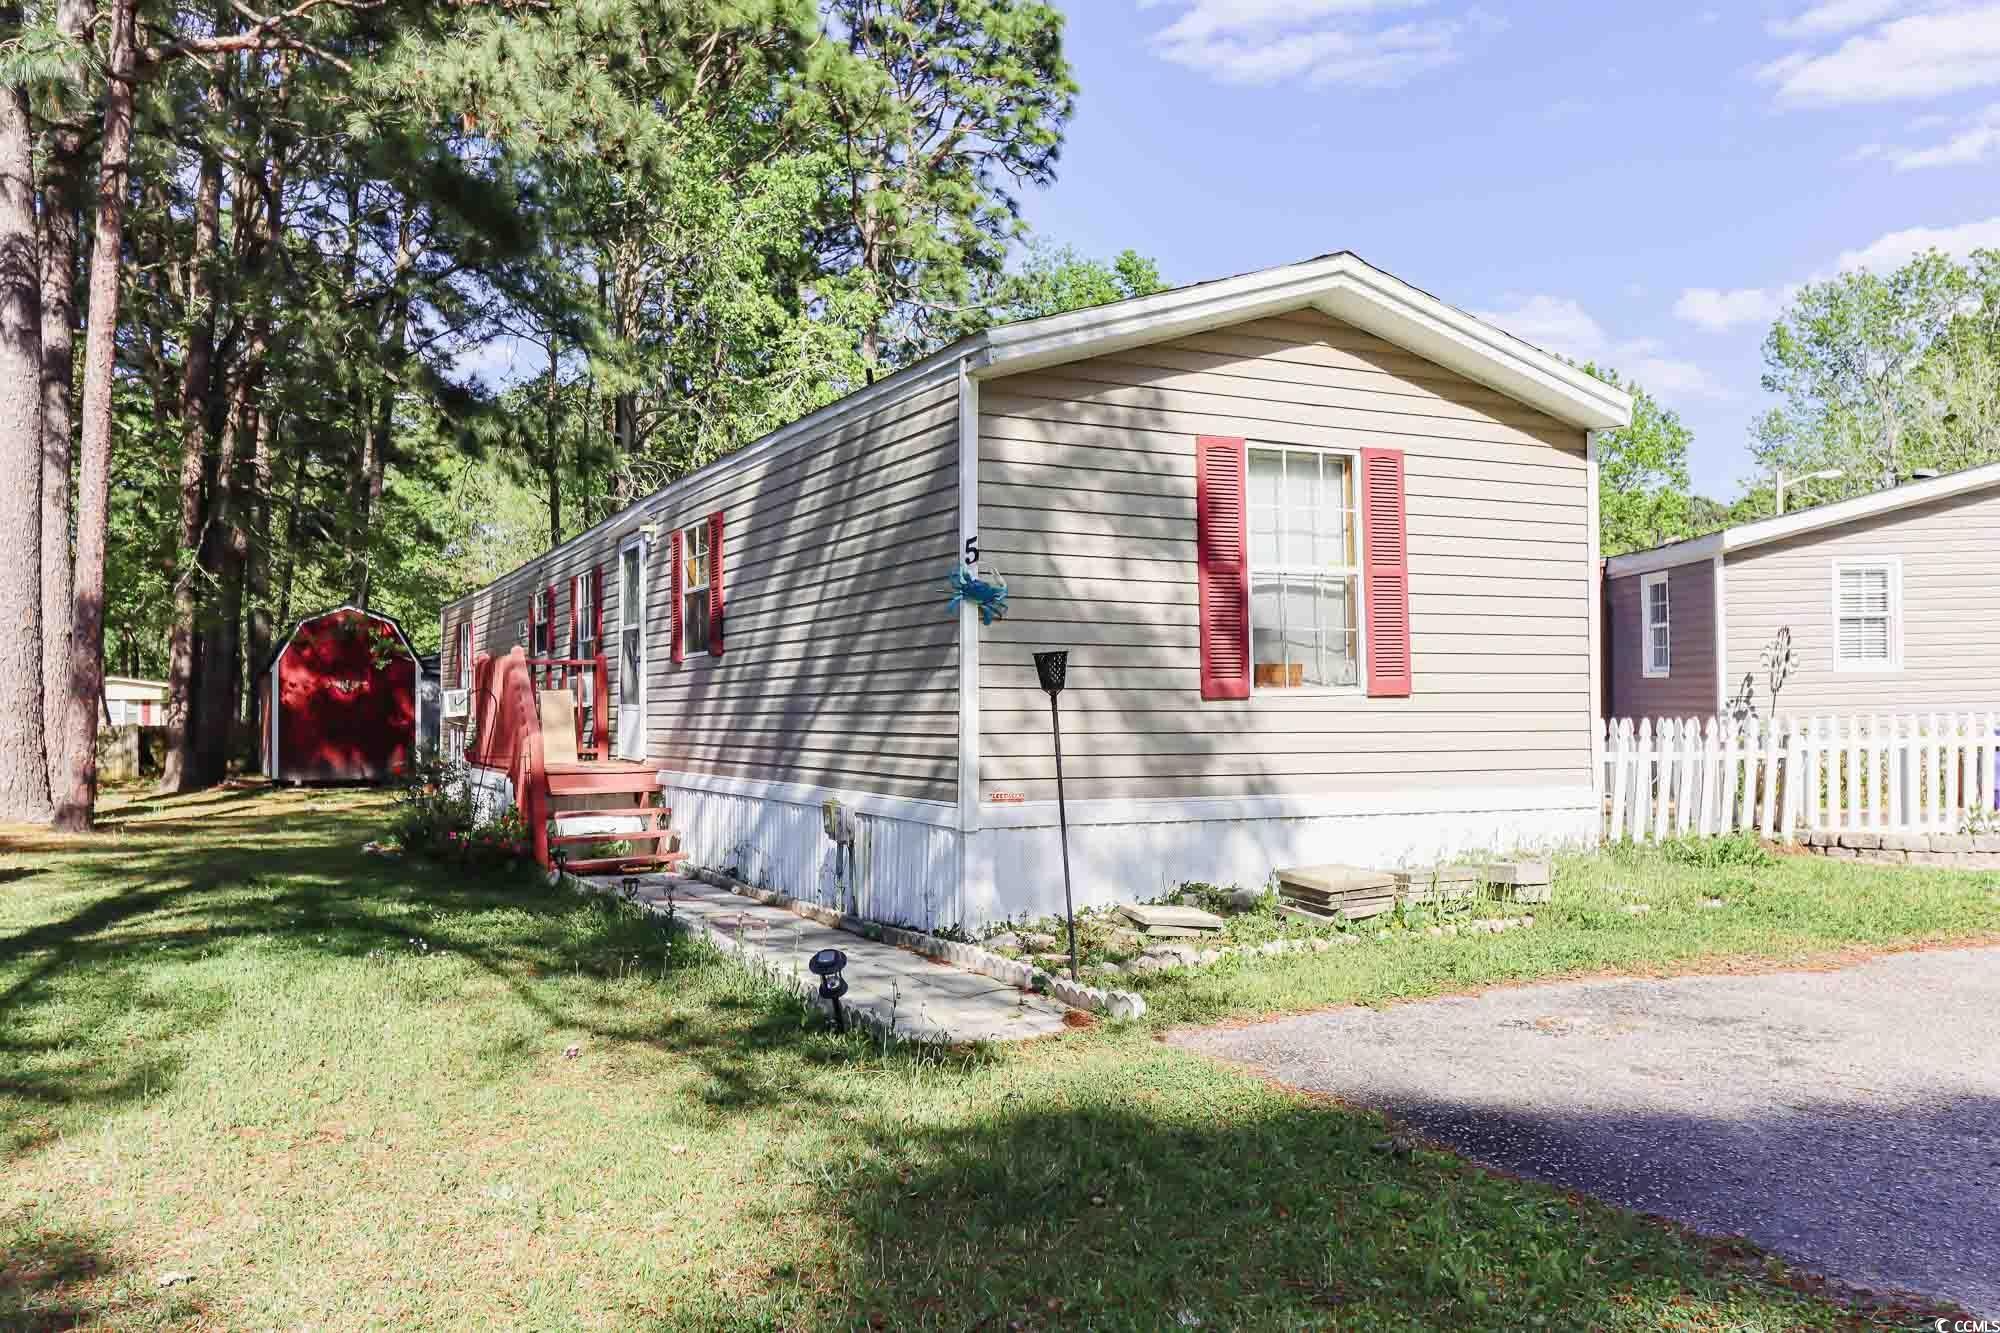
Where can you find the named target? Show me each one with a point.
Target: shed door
(632, 651)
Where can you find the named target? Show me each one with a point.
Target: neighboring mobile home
(1890, 602)
(1322, 549)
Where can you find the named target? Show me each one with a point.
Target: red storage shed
(345, 686)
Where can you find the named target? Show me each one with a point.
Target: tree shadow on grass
(1156, 1210)
(141, 901)
(62, 1278)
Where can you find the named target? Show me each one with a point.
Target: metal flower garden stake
(1052, 668)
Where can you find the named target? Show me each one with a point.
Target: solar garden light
(1053, 668)
(827, 965)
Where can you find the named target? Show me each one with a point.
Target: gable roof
(1764, 531)
(284, 642)
(1343, 286)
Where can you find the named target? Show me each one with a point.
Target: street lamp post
(1824, 474)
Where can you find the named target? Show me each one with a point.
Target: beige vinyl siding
(1950, 622)
(1688, 689)
(1087, 491)
(840, 663)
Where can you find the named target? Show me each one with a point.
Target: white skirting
(1136, 853)
(907, 853)
(904, 869)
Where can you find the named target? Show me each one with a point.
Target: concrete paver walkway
(1846, 1119)
(887, 986)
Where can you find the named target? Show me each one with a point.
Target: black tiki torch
(1052, 668)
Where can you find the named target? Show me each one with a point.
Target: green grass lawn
(336, 1090)
(1771, 911)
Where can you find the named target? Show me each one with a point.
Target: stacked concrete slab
(1328, 894)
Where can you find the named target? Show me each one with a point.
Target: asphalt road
(1849, 1120)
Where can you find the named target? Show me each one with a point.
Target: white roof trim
(1670, 556)
(1342, 286)
(1765, 531)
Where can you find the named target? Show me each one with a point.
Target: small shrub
(1742, 851)
(497, 842)
(433, 805)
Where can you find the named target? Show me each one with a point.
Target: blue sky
(1636, 183)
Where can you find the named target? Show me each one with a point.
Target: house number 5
(972, 551)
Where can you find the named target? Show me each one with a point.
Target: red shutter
(531, 624)
(674, 582)
(1385, 572)
(715, 584)
(1222, 566)
(553, 649)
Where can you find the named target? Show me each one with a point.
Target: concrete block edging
(1954, 851)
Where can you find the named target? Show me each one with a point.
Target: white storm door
(632, 650)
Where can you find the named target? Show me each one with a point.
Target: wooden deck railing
(593, 732)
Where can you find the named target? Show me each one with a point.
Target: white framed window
(1868, 614)
(694, 588)
(465, 656)
(545, 632)
(1656, 627)
(1305, 570)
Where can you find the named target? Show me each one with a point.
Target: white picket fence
(1703, 777)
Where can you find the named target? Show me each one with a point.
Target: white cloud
(1718, 311)
(1833, 17)
(1948, 48)
(1972, 142)
(1361, 42)
(1559, 324)
(1899, 247)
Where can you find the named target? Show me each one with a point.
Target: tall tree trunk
(375, 460)
(93, 486)
(24, 762)
(373, 476)
(217, 709)
(257, 567)
(291, 540)
(552, 450)
(62, 196)
(257, 558)
(184, 722)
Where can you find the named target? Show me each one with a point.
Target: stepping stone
(1162, 921)
(1335, 879)
(1439, 883)
(1355, 892)
(1523, 881)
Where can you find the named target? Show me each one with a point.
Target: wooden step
(613, 865)
(626, 812)
(648, 835)
(603, 783)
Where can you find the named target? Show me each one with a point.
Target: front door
(632, 650)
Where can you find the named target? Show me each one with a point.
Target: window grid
(1304, 569)
(1659, 626)
(694, 591)
(544, 636)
